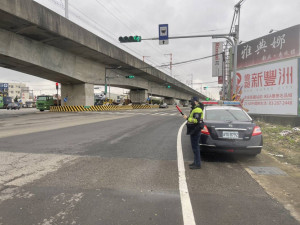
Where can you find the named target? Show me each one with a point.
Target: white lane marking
(163, 114)
(187, 210)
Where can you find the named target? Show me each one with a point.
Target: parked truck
(1, 102)
(43, 102)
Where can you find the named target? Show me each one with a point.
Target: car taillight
(205, 130)
(256, 131)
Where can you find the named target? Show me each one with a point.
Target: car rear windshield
(226, 114)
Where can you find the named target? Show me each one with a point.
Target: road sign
(163, 34)
(65, 99)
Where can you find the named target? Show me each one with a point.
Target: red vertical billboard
(217, 60)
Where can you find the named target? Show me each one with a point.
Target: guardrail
(99, 108)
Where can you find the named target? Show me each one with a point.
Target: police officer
(194, 126)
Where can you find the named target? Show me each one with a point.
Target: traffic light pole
(56, 85)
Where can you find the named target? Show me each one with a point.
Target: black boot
(194, 167)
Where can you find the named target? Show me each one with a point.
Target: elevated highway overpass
(37, 41)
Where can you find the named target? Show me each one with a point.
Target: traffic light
(168, 86)
(205, 88)
(130, 39)
(56, 86)
(207, 99)
(130, 76)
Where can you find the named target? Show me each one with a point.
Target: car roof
(222, 107)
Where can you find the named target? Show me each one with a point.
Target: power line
(192, 60)
(206, 82)
(178, 63)
(119, 20)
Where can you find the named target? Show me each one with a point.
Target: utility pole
(170, 54)
(192, 78)
(223, 75)
(67, 9)
(145, 57)
(236, 42)
(105, 77)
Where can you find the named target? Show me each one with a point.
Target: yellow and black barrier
(99, 108)
(145, 106)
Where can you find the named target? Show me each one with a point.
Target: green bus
(1, 102)
(43, 102)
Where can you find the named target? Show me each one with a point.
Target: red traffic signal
(56, 86)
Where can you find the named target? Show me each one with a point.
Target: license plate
(231, 134)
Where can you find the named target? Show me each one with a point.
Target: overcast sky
(110, 19)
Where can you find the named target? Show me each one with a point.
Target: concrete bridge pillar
(169, 101)
(138, 96)
(77, 94)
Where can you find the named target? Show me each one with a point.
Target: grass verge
(283, 142)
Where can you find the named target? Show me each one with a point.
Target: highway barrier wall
(99, 108)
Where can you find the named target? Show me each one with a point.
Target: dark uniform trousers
(195, 138)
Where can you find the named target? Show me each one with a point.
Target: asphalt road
(119, 168)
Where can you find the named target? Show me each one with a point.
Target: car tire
(41, 110)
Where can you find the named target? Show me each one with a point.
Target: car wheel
(41, 110)
(7, 108)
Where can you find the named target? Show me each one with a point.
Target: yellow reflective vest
(191, 118)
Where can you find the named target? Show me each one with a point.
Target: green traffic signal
(130, 76)
(168, 86)
(130, 39)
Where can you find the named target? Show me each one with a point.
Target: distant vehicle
(1, 102)
(29, 104)
(229, 129)
(164, 105)
(13, 105)
(43, 102)
(6, 101)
